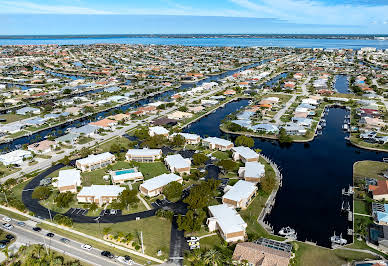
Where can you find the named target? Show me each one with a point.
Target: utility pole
(141, 239)
(49, 211)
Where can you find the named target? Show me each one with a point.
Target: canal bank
(314, 175)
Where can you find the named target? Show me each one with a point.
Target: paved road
(26, 236)
(178, 244)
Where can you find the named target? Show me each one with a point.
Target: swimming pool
(126, 171)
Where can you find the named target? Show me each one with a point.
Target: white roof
(160, 181)
(128, 176)
(241, 190)
(246, 152)
(177, 161)
(228, 219)
(159, 130)
(218, 141)
(95, 158)
(101, 190)
(69, 177)
(144, 152)
(254, 169)
(187, 135)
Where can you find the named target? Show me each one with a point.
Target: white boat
(287, 231)
(338, 240)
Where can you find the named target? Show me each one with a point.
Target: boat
(338, 240)
(287, 231)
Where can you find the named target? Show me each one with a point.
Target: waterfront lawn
(361, 207)
(150, 170)
(354, 139)
(307, 255)
(156, 232)
(371, 169)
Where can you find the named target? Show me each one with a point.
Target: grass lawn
(221, 155)
(94, 177)
(12, 118)
(94, 244)
(13, 215)
(56, 173)
(150, 170)
(84, 140)
(307, 255)
(361, 206)
(372, 169)
(4, 170)
(156, 232)
(18, 189)
(120, 140)
(211, 242)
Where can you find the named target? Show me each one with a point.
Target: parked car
(50, 234)
(65, 240)
(6, 219)
(113, 212)
(107, 254)
(9, 237)
(2, 246)
(192, 239)
(86, 246)
(37, 229)
(125, 260)
(22, 224)
(7, 226)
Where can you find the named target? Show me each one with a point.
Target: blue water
(128, 171)
(267, 42)
(342, 84)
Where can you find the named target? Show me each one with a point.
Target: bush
(41, 193)
(168, 214)
(63, 199)
(199, 158)
(173, 191)
(244, 141)
(63, 220)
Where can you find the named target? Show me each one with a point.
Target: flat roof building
(240, 195)
(177, 164)
(93, 162)
(143, 155)
(252, 171)
(99, 194)
(217, 143)
(244, 154)
(68, 180)
(154, 186)
(158, 131)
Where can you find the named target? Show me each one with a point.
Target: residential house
(28, 110)
(252, 172)
(93, 162)
(227, 221)
(380, 191)
(158, 131)
(154, 186)
(68, 180)
(177, 164)
(380, 213)
(42, 147)
(240, 195)
(179, 115)
(244, 154)
(69, 138)
(143, 155)
(217, 143)
(189, 138)
(15, 157)
(105, 124)
(99, 194)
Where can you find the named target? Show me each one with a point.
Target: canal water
(342, 84)
(165, 96)
(314, 175)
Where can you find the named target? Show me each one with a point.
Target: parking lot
(77, 211)
(108, 212)
(160, 203)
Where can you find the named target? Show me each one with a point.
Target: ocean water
(202, 41)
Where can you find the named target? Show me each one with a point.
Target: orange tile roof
(103, 123)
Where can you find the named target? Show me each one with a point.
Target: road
(26, 236)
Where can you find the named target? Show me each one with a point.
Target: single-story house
(99, 194)
(158, 131)
(179, 115)
(154, 186)
(252, 171)
(41, 147)
(68, 138)
(244, 154)
(15, 157)
(68, 180)
(143, 155)
(380, 191)
(105, 124)
(189, 138)
(227, 221)
(93, 162)
(28, 110)
(177, 164)
(217, 143)
(380, 213)
(240, 195)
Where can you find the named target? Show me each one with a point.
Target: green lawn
(4, 170)
(221, 155)
(211, 242)
(307, 255)
(150, 170)
(372, 169)
(18, 189)
(120, 140)
(12, 117)
(56, 173)
(13, 215)
(361, 206)
(94, 177)
(84, 140)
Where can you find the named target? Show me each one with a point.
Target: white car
(8, 226)
(113, 212)
(86, 247)
(193, 239)
(194, 245)
(126, 260)
(6, 219)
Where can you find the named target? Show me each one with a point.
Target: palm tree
(213, 257)
(195, 257)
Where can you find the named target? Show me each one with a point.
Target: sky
(34, 17)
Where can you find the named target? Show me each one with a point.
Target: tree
(41, 193)
(244, 141)
(178, 140)
(284, 137)
(63, 199)
(141, 133)
(200, 195)
(199, 158)
(192, 221)
(234, 127)
(93, 207)
(127, 198)
(115, 148)
(107, 230)
(228, 165)
(156, 141)
(173, 191)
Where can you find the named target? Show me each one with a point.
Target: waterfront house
(252, 171)
(227, 221)
(28, 110)
(244, 154)
(179, 115)
(294, 129)
(240, 195)
(264, 255)
(267, 128)
(158, 131)
(93, 162)
(99, 194)
(143, 155)
(68, 180)
(154, 186)
(380, 213)
(105, 124)
(380, 191)
(122, 176)
(189, 138)
(68, 138)
(217, 143)
(177, 164)
(15, 157)
(86, 130)
(42, 147)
